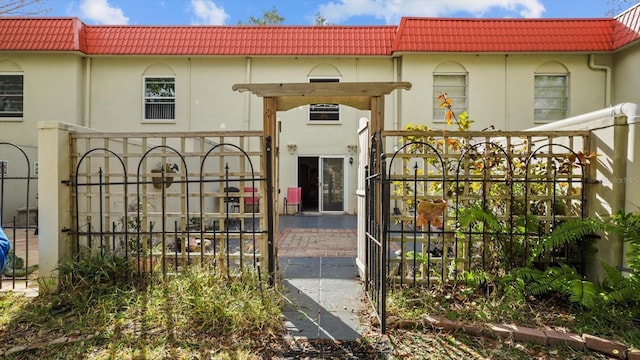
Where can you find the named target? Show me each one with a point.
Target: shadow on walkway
(318, 270)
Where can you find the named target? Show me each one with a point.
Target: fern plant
(568, 232)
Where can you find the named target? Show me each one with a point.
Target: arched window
(450, 78)
(551, 92)
(159, 87)
(11, 90)
(322, 113)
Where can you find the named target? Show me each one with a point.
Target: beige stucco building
(511, 74)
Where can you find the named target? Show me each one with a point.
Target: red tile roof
(240, 40)
(42, 34)
(413, 35)
(503, 35)
(627, 27)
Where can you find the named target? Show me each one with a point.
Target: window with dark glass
(324, 112)
(11, 95)
(159, 98)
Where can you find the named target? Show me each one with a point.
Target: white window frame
(311, 106)
(146, 98)
(6, 100)
(458, 105)
(536, 119)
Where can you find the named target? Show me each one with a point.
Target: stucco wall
(52, 91)
(626, 77)
(500, 87)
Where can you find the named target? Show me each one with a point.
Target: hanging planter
(169, 169)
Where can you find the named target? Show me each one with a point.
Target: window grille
(11, 95)
(160, 98)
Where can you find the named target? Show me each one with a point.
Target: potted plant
(169, 168)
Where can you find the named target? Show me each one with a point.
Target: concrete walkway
(316, 257)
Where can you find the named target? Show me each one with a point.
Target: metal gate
(376, 191)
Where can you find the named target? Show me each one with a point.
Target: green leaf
(583, 293)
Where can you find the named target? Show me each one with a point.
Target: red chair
(251, 203)
(294, 197)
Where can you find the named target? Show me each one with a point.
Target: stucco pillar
(54, 211)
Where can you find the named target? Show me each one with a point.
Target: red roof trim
(412, 35)
(240, 40)
(503, 35)
(626, 28)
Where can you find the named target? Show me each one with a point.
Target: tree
(320, 20)
(618, 6)
(268, 18)
(21, 7)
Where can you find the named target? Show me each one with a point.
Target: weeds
(196, 314)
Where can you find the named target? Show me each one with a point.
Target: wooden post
(269, 124)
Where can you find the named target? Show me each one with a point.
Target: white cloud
(392, 10)
(101, 12)
(207, 13)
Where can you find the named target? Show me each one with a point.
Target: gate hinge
(66, 230)
(67, 182)
(593, 181)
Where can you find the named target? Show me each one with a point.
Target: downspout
(247, 103)
(607, 78)
(86, 121)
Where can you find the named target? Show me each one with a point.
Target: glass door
(332, 184)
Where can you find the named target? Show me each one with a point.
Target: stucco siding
(626, 75)
(51, 91)
(500, 87)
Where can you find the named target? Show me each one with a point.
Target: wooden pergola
(286, 96)
(359, 95)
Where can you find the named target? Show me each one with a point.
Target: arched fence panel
(19, 214)
(166, 201)
(479, 201)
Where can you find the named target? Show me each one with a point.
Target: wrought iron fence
(172, 200)
(18, 216)
(463, 201)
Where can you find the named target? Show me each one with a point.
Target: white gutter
(594, 120)
(607, 78)
(86, 121)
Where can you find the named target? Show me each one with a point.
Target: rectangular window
(160, 98)
(455, 86)
(324, 112)
(11, 96)
(550, 97)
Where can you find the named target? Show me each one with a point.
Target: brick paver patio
(314, 242)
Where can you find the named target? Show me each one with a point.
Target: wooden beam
(322, 88)
(290, 102)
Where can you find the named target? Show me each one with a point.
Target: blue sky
(301, 12)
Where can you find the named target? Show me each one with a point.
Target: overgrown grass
(475, 305)
(196, 314)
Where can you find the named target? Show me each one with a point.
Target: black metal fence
(166, 202)
(443, 203)
(18, 189)
(376, 192)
